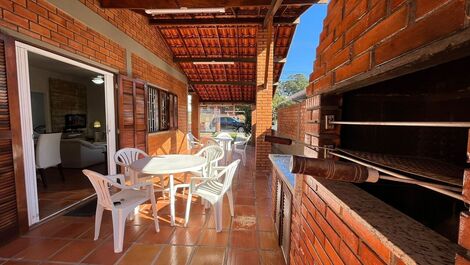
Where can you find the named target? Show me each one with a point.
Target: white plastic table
(167, 165)
(226, 144)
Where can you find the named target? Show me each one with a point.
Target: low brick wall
(290, 121)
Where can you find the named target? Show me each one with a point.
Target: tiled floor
(248, 238)
(60, 194)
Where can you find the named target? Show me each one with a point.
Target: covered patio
(248, 238)
(369, 167)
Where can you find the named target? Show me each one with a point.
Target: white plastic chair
(48, 154)
(213, 154)
(213, 190)
(211, 141)
(120, 204)
(126, 156)
(193, 142)
(239, 147)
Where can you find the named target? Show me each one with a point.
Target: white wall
(39, 82)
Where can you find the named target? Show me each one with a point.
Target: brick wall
(290, 121)
(41, 20)
(362, 39)
(71, 98)
(361, 35)
(262, 116)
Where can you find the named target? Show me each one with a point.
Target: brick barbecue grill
(387, 61)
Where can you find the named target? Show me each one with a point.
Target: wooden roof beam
(217, 21)
(275, 5)
(224, 83)
(158, 4)
(222, 59)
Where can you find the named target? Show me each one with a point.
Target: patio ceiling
(222, 37)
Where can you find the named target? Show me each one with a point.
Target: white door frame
(27, 124)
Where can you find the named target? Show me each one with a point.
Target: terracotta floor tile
(104, 254)
(239, 256)
(72, 230)
(272, 258)
(268, 240)
(105, 231)
(243, 239)
(185, 236)
(140, 254)
(245, 210)
(42, 249)
(17, 262)
(210, 237)
(226, 222)
(133, 232)
(174, 255)
(16, 246)
(265, 223)
(244, 222)
(245, 201)
(75, 251)
(208, 256)
(247, 238)
(152, 237)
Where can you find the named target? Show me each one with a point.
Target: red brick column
(195, 115)
(264, 95)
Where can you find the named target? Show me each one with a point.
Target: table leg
(172, 200)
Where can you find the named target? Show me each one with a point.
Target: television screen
(75, 121)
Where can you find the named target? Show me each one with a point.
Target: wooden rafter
(158, 4)
(216, 21)
(222, 59)
(230, 83)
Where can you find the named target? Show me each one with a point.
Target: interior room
(68, 115)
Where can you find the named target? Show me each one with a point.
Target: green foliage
(292, 85)
(247, 110)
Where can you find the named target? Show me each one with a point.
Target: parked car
(228, 124)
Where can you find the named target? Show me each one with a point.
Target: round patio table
(167, 165)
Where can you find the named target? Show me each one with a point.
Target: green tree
(292, 85)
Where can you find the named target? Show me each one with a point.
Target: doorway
(67, 119)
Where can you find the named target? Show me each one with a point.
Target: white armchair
(213, 190)
(48, 154)
(121, 204)
(239, 147)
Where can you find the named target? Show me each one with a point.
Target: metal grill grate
(419, 166)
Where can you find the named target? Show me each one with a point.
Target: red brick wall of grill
(360, 36)
(43, 21)
(290, 121)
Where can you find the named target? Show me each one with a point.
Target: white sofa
(79, 153)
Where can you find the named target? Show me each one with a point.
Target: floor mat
(86, 210)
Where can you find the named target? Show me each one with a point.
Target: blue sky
(302, 50)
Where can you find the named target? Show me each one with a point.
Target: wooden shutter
(13, 215)
(132, 113)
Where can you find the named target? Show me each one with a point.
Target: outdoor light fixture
(98, 80)
(213, 63)
(184, 10)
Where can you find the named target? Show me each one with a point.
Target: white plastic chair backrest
(247, 140)
(229, 172)
(48, 150)
(101, 185)
(126, 156)
(191, 140)
(211, 141)
(212, 154)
